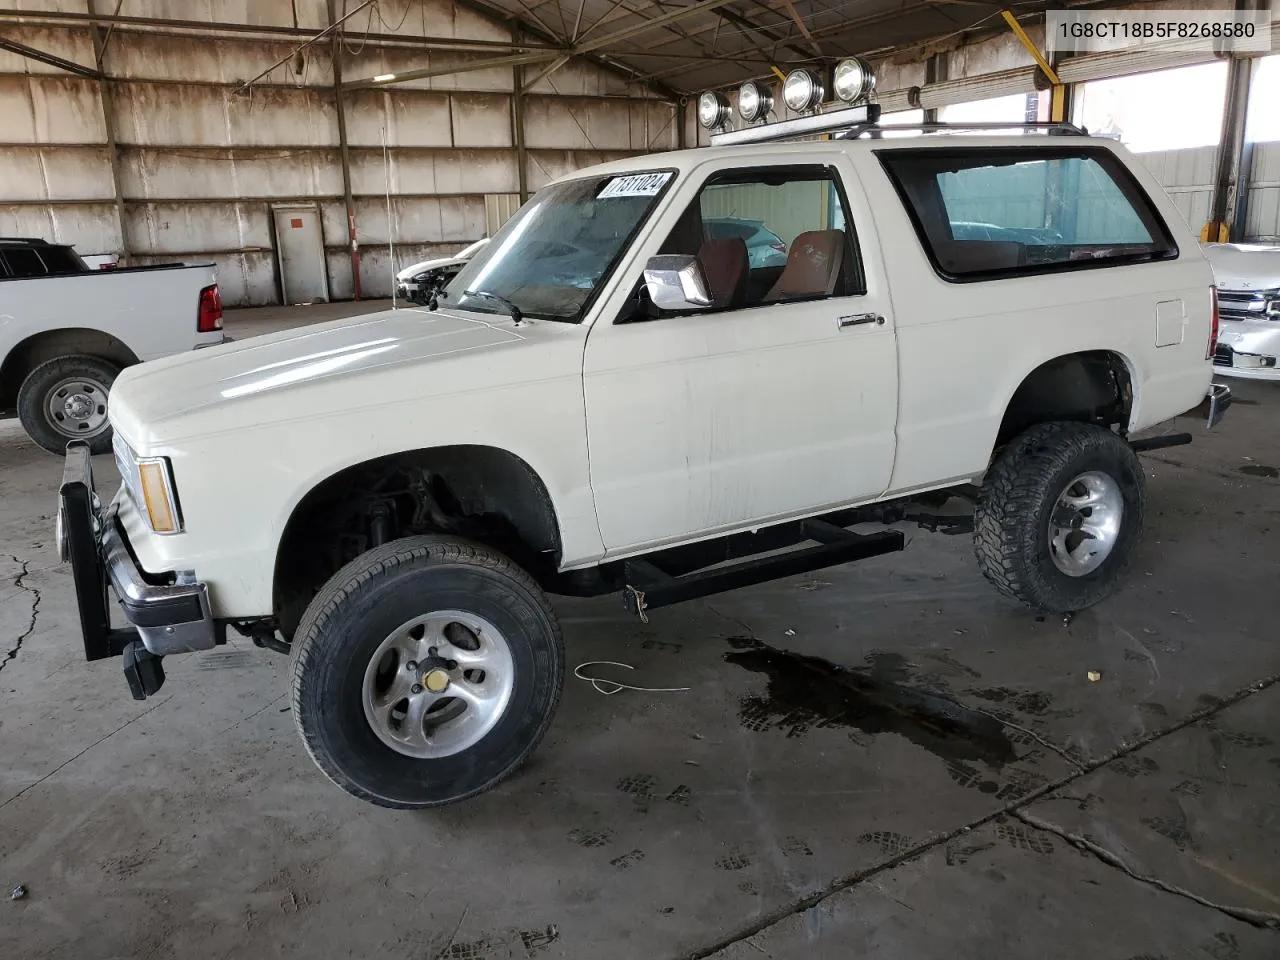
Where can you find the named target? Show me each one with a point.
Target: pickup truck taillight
(1213, 328)
(209, 317)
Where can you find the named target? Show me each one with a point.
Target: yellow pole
(1058, 94)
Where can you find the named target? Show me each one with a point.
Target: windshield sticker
(641, 185)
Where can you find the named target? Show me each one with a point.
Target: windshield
(553, 255)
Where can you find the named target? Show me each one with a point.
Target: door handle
(858, 319)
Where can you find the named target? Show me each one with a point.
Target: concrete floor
(963, 790)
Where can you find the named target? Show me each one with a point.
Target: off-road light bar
(845, 119)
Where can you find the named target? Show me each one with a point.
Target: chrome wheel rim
(77, 407)
(1085, 524)
(438, 684)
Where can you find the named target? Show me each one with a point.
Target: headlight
(1272, 309)
(802, 90)
(149, 481)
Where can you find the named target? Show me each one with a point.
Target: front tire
(425, 672)
(1059, 515)
(66, 399)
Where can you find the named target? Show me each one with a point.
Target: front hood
(408, 273)
(289, 375)
(1244, 266)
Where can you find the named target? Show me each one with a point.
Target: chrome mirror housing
(675, 282)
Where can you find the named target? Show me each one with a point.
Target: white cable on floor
(598, 682)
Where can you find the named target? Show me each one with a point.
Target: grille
(1244, 304)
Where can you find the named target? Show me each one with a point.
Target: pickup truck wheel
(1059, 515)
(66, 399)
(425, 672)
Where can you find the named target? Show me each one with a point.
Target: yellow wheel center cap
(437, 681)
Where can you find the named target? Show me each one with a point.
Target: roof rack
(851, 123)
(1051, 127)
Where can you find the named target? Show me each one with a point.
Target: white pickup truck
(66, 331)
(609, 399)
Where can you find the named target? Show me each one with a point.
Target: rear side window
(24, 262)
(62, 260)
(984, 214)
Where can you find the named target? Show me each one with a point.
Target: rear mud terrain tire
(425, 672)
(1059, 515)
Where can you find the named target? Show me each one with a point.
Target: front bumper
(167, 614)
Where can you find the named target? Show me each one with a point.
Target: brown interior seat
(725, 265)
(813, 266)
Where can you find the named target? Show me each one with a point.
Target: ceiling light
(713, 109)
(802, 90)
(755, 101)
(854, 79)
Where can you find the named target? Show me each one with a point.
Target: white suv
(606, 399)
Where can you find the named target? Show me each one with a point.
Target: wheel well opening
(47, 345)
(481, 493)
(1089, 387)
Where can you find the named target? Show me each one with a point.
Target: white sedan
(418, 281)
(1248, 280)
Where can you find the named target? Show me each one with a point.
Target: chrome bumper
(1219, 399)
(169, 618)
(168, 613)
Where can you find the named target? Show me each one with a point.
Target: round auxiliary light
(755, 100)
(853, 79)
(802, 90)
(713, 109)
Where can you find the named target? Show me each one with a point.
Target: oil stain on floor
(806, 692)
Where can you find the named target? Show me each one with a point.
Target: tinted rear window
(23, 262)
(985, 213)
(40, 261)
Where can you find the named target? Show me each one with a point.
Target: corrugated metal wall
(1187, 176)
(200, 167)
(1264, 197)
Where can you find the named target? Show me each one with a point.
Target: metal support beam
(517, 122)
(388, 79)
(1230, 151)
(545, 72)
(106, 96)
(31, 53)
(205, 28)
(1244, 172)
(549, 41)
(353, 244)
(1032, 49)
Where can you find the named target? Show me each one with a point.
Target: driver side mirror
(675, 281)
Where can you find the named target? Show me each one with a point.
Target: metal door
(300, 253)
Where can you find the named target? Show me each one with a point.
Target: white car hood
(294, 374)
(408, 273)
(1244, 266)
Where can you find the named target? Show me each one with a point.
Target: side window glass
(985, 214)
(24, 262)
(772, 235)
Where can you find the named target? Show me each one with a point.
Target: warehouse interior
(775, 771)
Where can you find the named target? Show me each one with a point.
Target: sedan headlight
(149, 482)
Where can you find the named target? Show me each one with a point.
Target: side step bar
(648, 587)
